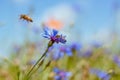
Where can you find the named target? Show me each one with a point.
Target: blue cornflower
(101, 74)
(53, 35)
(61, 74)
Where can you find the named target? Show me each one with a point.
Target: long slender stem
(37, 67)
(38, 61)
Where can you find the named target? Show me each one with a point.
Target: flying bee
(25, 17)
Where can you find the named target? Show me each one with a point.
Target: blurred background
(84, 21)
(92, 30)
(81, 20)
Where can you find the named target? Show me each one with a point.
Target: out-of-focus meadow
(87, 46)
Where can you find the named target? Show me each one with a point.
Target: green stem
(44, 54)
(36, 69)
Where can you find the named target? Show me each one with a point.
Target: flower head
(53, 35)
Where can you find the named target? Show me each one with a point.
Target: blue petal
(62, 39)
(46, 36)
(47, 31)
(55, 32)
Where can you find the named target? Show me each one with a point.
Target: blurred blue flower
(60, 51)
(57, 55)
(66, 50)
(75, 46)
(101, 74)
(116, 59)
(55, 52)
(53, 35)
(61, 74)
(96, 44)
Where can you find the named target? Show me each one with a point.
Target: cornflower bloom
(53, 36)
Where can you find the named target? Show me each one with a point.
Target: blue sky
(94, 16)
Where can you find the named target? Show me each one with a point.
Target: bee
(25, 17)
